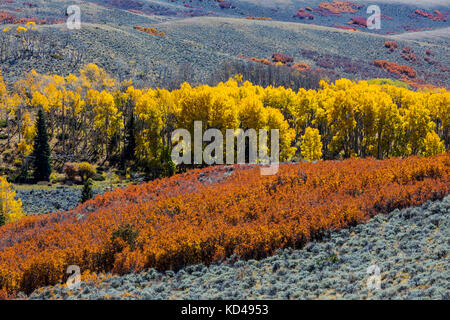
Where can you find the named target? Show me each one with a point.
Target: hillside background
(200, 36)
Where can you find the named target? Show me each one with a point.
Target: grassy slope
(205, 42)
(441, 36)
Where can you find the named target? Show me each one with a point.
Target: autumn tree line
(93, 117)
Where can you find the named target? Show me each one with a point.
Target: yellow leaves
(279, 98)
(223, 113)
(367, 118)
(195, 105)
(3, 93)
(28, 131)
(416, 126)
(311, 145)
(304, 108)
(39, 100)
(133, 94)
(73, 99)
(107, 117)
(71, 80)
(86, 170)
(91, 97)
(24, 148)
(252, 113)
(238, 78)
(21, 29)
(148, 110)
(439, 104)
(95, 77)
(109, 83)
(275, 120)
(10, 208)
(433, 145)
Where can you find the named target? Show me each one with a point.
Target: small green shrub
(87, 192)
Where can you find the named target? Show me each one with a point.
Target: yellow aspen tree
(252, 113)
(433, 145)
(280, 98)
(107, 118)
(439, 104)
(10, 208)
(311, 145)
(149, 140)
(416, 126)
(3, 92)
(275, 120)
(3, 98)
(28, 130)
(223, 113)
(195, 105)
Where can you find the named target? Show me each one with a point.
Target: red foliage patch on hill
(338, 7)
(326, 13)
(302, 14)
(359, 22)
(226, 5)
(301, 66)
(408, 55)
(391, 45)
(395, 68)
(263, 61)
(283, 58)
(438, 16)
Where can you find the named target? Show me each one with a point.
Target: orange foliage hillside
(340, 6)
(151, 30)
(206, 215)
(399, 69)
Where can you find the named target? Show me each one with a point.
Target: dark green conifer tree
(42, 167)
(87, 193)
